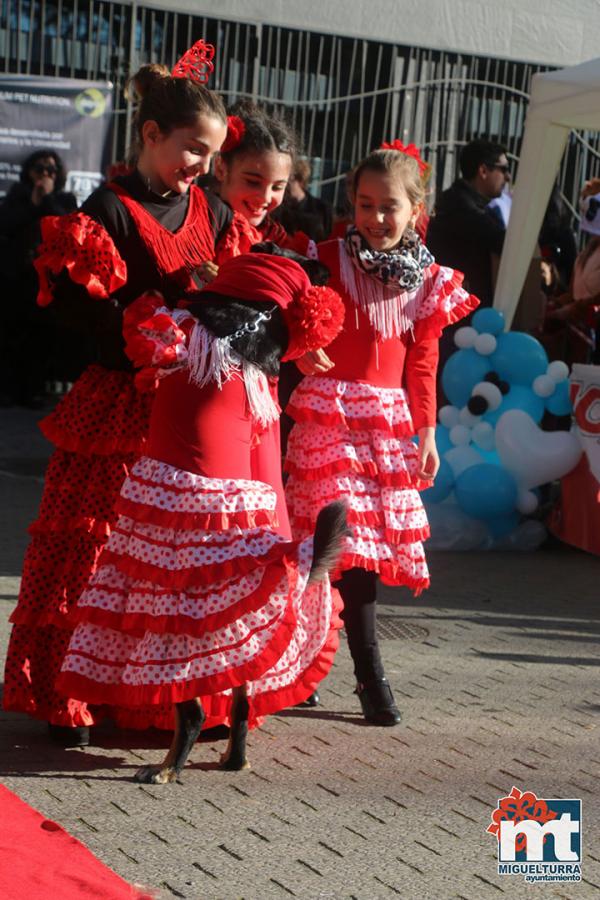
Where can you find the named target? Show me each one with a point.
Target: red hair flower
(314, 321)
(235, 134)
(409, 150)
(196, 63)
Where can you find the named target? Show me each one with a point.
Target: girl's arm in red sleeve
(420, 376)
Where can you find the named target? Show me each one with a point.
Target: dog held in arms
(200, 598)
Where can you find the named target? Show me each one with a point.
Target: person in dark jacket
(464, 233)
(301, 210)
(557, 238)
(28, 334)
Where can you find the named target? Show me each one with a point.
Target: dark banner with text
(70, 116)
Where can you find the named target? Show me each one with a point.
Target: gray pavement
(495, 669)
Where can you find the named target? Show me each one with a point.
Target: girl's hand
(429, 460)
(208, 271)
(315, 362)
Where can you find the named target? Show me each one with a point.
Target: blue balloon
(442, 439)
(518, 397)
(486, 491)
(462, 372)
(491, 457)
(559, 404)
(503, 525)
(518, 358)
(442, 486)
(488, 321)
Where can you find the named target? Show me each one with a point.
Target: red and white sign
(577, 520)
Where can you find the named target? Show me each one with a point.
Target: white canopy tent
(560, 101)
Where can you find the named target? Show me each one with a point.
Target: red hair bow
(409, 150)
(196, 63)
(235, 134)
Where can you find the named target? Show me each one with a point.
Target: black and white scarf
(384, 284)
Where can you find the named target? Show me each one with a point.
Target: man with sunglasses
(464, 233)
(31, 349)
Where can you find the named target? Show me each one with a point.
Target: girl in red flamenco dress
(376, 389)
(197, 594)
(149, 229)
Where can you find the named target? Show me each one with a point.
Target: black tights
(358, 589)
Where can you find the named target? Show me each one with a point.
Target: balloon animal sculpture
(493, 453)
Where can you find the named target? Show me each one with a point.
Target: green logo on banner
(90, 102)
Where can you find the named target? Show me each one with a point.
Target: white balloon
(465, 337)
(452, 529)
(558, 371)
(467, 418)
(527, 502)
(483, 435)
(490, 392)
(461, 458)
(529, 535)
(543, 386)
(486, 344)
(460, 435)
(448, 416)
(534, 456)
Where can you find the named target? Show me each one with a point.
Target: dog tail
(330, 530)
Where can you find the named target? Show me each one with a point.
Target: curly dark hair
(33, 158)
(263, 132)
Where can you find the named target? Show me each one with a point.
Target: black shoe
(69, 737)
(377, 701)
(313, 700)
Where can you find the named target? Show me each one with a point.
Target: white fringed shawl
(211, 359)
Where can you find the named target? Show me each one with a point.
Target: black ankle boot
(69, 737)
(377, 701)
(312, 700)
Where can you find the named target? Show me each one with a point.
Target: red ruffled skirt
(99, 430)
(196, 592)
(352, 441)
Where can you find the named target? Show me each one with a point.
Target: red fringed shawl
(177, 253)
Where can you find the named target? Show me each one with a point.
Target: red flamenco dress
(197, 591)
(354, 427)
(92, 265)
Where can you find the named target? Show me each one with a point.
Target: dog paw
(232, 762)
(155, 775)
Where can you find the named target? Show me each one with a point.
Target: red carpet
(39, 860)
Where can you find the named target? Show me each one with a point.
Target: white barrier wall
(555, 32)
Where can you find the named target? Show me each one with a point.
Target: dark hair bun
(145, 79)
